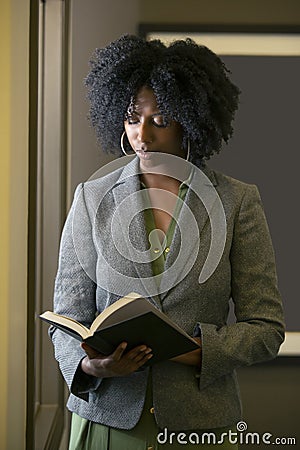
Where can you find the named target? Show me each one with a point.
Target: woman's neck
(164, 173)
(159, 181)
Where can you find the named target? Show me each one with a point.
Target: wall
(92, 24)
(14, 41)
(220, 11)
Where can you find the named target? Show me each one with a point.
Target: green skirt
(87, 435)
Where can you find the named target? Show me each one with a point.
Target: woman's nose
(144, 133)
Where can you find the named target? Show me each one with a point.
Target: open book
(131, 319)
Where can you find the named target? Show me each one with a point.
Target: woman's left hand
(192, 358)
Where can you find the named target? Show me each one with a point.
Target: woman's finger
(118, 353)
(91, 352)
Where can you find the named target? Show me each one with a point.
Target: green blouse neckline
(160, 250)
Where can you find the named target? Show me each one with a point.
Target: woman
(173, 107)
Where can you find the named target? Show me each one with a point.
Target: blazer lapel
(129, 218)
(193, 221)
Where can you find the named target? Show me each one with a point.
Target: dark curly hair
(190, 83)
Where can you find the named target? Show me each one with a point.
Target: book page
(67, 322)
(131, 305)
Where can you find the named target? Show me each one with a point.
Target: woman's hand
(117, 364)
(191, 358)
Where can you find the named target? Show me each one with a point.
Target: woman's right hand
(117, 364)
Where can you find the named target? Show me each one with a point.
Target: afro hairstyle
(189, 81)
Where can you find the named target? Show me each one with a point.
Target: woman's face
(149, 131)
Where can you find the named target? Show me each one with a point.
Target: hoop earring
(122, 144)
(188, 149)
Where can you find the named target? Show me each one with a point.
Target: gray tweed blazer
(183, 399)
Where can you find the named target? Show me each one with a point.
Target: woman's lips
(144, 154)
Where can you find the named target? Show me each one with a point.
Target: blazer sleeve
(259, 329)
(74, 296)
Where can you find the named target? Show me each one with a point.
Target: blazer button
(151, 410)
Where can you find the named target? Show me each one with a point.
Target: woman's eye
(161, 121)
(132, 119)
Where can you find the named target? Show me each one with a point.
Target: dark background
(264, 150)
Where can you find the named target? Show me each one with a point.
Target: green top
(161, 247)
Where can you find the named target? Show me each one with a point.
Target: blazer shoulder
(113, 173)
(228, 183)
(107, 180)
(90, 194)
(231, 190)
